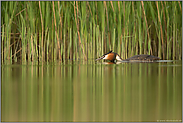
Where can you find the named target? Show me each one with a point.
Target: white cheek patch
(105, 57)
(118, 58)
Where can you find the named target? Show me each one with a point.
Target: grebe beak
(99, 58)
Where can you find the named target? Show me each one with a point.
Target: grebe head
(111, 56)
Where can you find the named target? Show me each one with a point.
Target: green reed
(59, 30)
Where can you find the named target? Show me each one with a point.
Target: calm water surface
(92, 91)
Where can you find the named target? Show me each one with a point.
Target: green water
(92, 91)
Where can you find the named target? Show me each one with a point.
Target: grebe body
(111, 56)
(142, 58)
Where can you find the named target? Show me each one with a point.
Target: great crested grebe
(111, 56)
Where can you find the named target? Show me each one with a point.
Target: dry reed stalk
(160, 29)
(42, 31)
(146, 26)
(77, 24)
(58, 44)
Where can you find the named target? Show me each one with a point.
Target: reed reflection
(92, 92)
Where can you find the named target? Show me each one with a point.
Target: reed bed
(82, 30)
